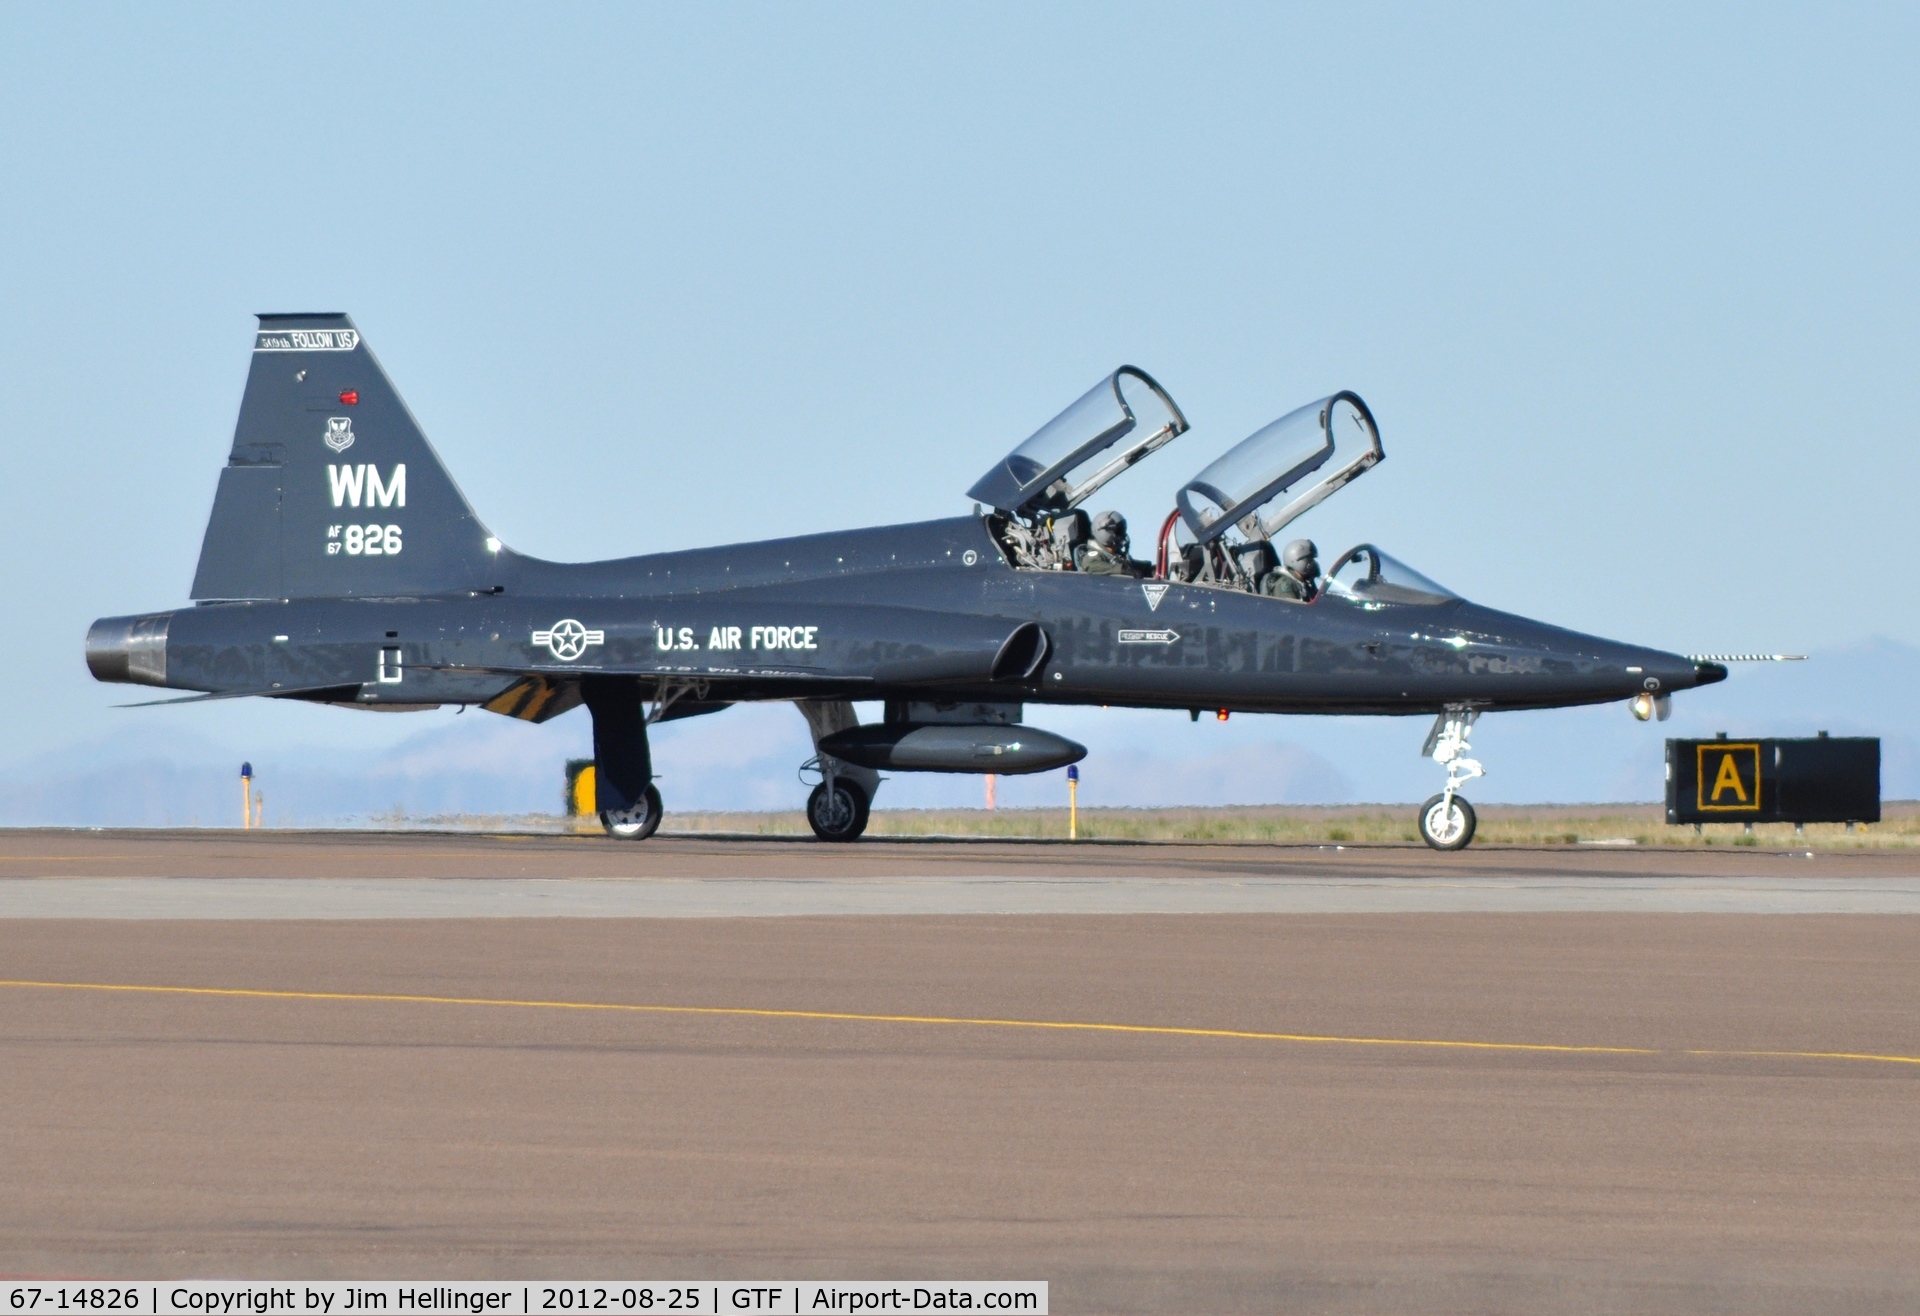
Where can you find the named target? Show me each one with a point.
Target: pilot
(1106, 555)
(1298, 576)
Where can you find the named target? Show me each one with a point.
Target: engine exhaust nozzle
(129, 650)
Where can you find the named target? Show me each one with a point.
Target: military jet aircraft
(341, 565)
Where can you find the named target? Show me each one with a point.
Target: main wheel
(637, 823)
(1444, 828)
(839, 815)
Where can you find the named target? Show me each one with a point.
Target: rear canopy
(1333, 439)
(1115, 423)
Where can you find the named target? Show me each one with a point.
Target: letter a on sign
(1728, 778)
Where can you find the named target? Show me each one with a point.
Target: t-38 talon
(342, 565)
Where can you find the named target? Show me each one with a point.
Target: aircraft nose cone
(1708, 673)
(1652, 671)
(1667, 672)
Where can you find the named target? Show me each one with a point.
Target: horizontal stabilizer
(340, 692)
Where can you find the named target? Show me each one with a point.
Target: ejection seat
(1071, 532)
(1258, 561)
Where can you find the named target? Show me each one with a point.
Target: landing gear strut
(622, 764)
(1447, 820)
(838, 808)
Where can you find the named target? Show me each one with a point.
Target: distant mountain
(164, 774)
(132, 780)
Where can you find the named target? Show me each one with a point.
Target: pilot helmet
(1301, 558)
(1110, 532)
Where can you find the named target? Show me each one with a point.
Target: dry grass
(1355, 824)
(1567, 824)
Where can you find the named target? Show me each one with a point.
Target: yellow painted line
(744, 1012)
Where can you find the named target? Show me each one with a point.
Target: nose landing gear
(1447, 821)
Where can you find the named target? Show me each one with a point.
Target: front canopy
(1075, 453)
(1335, 434)
(1365, 575)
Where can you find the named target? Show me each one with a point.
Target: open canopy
(1307, 454)
(1119, 420)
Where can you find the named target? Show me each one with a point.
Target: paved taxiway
(1672, 1111)
(266, 875)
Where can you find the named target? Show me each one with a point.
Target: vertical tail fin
(331, 490)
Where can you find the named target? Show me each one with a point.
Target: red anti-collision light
(350, 397)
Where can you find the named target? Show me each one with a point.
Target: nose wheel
(1447, 824)
(1447, 821)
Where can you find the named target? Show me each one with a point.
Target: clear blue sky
(1631, 291)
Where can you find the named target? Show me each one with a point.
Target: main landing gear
(622, 764)
(639, 821)
(1447, 820)
(622, 760)
(838, 808)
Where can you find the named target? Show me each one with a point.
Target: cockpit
(1037, 489)
(1224, 531)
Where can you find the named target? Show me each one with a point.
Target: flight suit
(1283, 584)
(1097, 561)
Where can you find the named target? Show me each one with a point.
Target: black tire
(638, 823)
(1444, 833)
(840, 817)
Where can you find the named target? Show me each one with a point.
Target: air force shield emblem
(339, 433)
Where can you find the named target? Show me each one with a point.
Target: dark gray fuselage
(918, 611)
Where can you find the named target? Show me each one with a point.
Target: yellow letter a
(1728, 779)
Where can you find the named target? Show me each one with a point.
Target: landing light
(1648, 707)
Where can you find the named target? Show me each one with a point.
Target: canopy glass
(1279, 471)
(1363, 574)
(1117, 422)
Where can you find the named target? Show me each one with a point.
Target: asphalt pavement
(1613, 1106)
